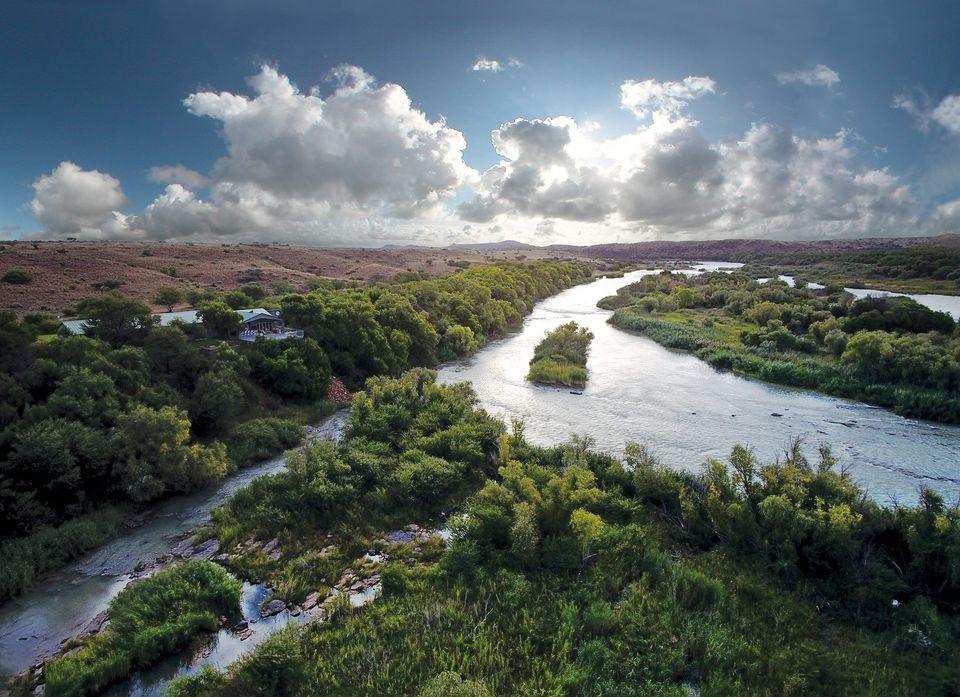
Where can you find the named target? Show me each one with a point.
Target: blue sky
(102, 85)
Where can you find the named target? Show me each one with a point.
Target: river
(637, 390)
(33, 625)
(687, 412)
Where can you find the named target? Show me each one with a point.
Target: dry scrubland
(61, 273)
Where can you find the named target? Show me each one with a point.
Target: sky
(371, 123)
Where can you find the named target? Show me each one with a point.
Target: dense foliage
(889, 351)
(561, 358)
(133, 411)
(573, 572)
(385, 329)
(150, 619)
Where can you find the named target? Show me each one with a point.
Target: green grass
(150, 619)
(46, 549)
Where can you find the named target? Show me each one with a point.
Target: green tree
(168, 296)
(219, 319)
(217, 400)
(119, 320)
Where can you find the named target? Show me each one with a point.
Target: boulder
(273, 607)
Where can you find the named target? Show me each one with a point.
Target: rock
(274, 555)
(357, 586)
(773, 413)
(241, 625)
(94, 625)
(273, 607)
(245, 634)
(329, 549)
(311, 600)
(295, 611)
(207, 549)
(183, 548)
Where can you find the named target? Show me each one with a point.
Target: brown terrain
(64, 272)
(61, 273)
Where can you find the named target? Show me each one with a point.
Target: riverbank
(885, 351)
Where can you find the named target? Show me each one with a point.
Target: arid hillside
(61, 273)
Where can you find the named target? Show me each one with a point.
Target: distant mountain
(491, 246)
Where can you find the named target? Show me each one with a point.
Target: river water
(33, 625)
(687, 412)
(636, 391)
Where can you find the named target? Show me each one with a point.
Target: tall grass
(26, 558)
(150, 619)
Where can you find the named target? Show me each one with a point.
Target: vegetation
(16, 277)
(49, 548)
(888, 351)
(573, 572)
(133, 411)
(915, 270)
(150, 619)
(561, 358)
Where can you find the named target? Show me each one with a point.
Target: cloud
(663, 99)
(486, 65)
(818, 76)
(346, 168)
(946, 218)
(947, 113)
(493, 65)
(177, 174)
(74, 201)
(666, 178)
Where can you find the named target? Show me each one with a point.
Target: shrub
(16, 277)
(260, 439)
(150, 619)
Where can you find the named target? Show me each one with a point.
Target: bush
(46, 549)
(261, 439)
(16, 277)
(150, 619)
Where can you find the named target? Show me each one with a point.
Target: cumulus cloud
(818, 76)
(334, 169)
(74, 201)
(946, 218)
(177, 174)
(666, 178)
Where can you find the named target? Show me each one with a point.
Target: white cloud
(947, 113)
(486, 65)
(177, 174)
(946, 218)
(663, 99)
(818, 76)
(74, 201)
(494, 65)
(666, 178)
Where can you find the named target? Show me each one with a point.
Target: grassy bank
(890, 352)
(572, 572)
(49, 548)
(150, 619)
(561, 358)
